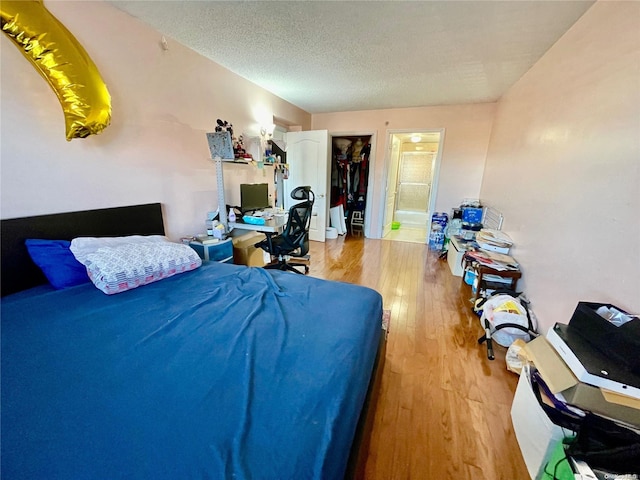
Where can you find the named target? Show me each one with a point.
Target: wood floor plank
(444, 408)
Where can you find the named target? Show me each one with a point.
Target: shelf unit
(481, 282)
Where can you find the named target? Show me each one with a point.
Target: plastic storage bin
(472, 215)
(221, 251)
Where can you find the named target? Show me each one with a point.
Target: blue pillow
(57, 262)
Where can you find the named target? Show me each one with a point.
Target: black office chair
(294, 240)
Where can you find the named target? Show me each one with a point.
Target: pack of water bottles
(439, 222)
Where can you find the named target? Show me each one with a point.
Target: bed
(221, 372)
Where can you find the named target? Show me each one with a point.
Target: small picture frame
(220, 145)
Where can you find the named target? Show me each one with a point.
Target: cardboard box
(621, 343)
(245, 251)
(537, 435)
(493, 248)
(591, 365)
(560, 379)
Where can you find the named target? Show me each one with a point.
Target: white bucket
(331, 233)
(336, 223)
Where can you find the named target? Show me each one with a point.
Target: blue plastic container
(471, 215)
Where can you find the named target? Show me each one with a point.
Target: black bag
(605, 445)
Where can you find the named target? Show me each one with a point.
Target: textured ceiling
(333, 56)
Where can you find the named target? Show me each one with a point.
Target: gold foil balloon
(63, 63)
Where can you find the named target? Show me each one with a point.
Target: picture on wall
(220, 145)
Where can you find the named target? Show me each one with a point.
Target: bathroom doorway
(413, 164)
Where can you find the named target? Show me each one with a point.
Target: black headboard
(20, 273)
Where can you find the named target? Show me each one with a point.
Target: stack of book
(206, 239)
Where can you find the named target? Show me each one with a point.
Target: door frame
(386, 188)
(370, 176)
(436, 171)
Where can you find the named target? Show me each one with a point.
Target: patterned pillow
(83, 246)
(124, 267)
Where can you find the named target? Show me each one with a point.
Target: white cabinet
(537, 435)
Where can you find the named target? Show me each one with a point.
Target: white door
(390, 188)
(308, 160)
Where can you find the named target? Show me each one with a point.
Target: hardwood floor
(444, 409)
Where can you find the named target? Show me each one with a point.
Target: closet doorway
(351, 169)
(412, 164)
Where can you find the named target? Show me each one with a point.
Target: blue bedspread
(226, 372)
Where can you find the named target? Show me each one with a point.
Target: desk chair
(294, 240)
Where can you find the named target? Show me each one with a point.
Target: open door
(308, 160)
(412, 170)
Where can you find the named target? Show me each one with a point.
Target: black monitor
(253, 196)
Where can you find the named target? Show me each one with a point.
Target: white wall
(155, 149)
(466, 138)
(563, 166)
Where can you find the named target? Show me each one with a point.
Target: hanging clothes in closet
(350, 173)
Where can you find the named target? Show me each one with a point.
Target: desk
(273, 225)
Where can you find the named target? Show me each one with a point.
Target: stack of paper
(494, 240)
(497, 261)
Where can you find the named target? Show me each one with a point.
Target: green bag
(558, 466)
